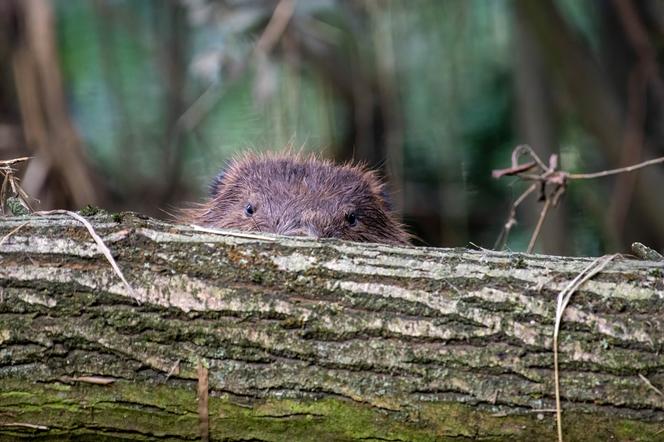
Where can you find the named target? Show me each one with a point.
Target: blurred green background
(136, 104)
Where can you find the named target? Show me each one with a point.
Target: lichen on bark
(307, 338)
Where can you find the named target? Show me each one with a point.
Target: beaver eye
(351, 219)
(249, 210)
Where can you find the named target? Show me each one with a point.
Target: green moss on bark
(152, 411)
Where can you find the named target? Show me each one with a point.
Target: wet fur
(294, 194)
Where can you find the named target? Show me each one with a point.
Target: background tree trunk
(34, 102)
(538, 126)
(315, 340)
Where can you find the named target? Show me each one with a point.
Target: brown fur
(302, 196)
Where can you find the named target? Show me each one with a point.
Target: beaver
(298, 195)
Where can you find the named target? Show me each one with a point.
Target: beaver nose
(308, 223)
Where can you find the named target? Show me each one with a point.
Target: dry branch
(315, 340)
(552, 184)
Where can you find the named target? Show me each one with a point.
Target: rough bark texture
(315, 340)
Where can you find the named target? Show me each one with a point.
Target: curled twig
(549, 177)
(552, 184)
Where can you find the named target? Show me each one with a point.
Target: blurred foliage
(163, 92)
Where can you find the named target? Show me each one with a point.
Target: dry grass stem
(175, 369)
(10, 186)
(100, 244)
(563, 299)
(649, 384)
(4, 238)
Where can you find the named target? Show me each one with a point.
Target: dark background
(134, 105)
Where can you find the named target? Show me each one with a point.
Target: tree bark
(315, 340)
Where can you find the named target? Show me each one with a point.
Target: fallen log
(315, 340)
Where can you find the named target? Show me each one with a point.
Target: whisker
(256, 224)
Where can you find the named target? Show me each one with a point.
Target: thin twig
(511, 220)
(649, 384)
(480, 248)
(516, 170)
(523, 196)
(230, 233)
(97, 380)
(3, 192)
(14, 161)
(540, 221)
(10, 181)
(547, 176)
(4, 238)
(175, 369)
(24, 197)
(203, 408)
(563, 299)
(587, 176)
(524, 148)
(24, 425)
(453, 287)
(100, 244)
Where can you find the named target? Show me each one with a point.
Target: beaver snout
(307, 223)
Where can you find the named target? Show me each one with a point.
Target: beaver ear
(387, 200)
(216, 183)
(379, 189)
